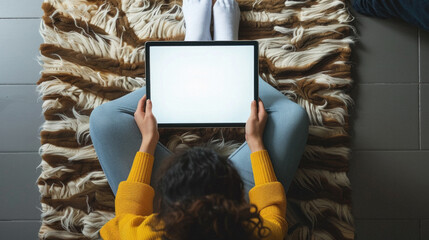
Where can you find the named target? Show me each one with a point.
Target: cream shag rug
(93, 52)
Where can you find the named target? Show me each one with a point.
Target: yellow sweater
(134, 199)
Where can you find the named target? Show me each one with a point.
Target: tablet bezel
(148, 44)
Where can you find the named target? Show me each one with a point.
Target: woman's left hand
(147, 123)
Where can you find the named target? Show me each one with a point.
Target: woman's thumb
(148, 105)
(253, 110)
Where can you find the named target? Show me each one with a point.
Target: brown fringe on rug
(93, 52)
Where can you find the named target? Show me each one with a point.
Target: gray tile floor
(390, 143)
(390, 135)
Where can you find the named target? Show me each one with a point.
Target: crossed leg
(285, 137)
(116, 137)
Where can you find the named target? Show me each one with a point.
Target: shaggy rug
(93, 52)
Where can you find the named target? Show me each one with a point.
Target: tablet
(201, 83)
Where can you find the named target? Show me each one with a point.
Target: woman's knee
(100, 119)
(295, 115)
(300, 124)
(302, 119)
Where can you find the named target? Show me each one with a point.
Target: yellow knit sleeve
(133, 203)
(263, 171)
(141, 169)
(268, 195)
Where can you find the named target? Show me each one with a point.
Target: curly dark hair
(200, 195)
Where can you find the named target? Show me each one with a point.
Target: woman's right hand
(255, 126)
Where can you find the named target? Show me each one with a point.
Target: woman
(198, 194)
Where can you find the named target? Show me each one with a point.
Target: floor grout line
(18, 84)
(7, 152)
(19, 220)
(389, 83)
(420, 230)
(390, 150)
(390, 219)
(419, 88)
(7, 18)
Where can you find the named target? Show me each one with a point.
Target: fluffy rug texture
(93, 52)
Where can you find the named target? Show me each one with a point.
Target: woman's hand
(147, 124)
(255, 126)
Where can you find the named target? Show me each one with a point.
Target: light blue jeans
(117, 138)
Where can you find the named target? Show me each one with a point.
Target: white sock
(197, 15)
(226, 18)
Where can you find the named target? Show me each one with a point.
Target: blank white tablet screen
(201, 84)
